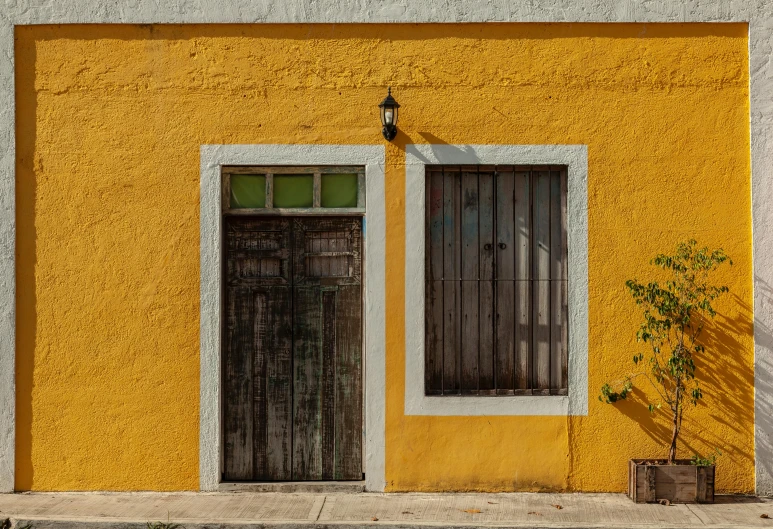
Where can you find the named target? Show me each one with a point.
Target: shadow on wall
(763, 363)
(726, 379)
(26, 263)
(399, 31)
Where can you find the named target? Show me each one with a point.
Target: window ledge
(484, 405)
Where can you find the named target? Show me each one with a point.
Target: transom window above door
(293, 190)
(496, 280)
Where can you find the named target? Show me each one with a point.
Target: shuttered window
(496, 280)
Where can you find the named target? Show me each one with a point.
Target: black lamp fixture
(389, 116)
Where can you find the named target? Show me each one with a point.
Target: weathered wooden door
(293, 349)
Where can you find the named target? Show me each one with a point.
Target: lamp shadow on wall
(434, 142)
(727, 381)
(26, 261)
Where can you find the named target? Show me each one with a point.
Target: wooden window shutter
(496, 280)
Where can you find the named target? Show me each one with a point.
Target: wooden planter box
(652, 480)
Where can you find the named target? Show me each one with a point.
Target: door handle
(502, 246)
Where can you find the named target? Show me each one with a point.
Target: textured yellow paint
(109, 123)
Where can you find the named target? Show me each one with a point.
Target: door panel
(238, 420)
(348, 383)
(327, 324)
(327, 251)
(293, 349)
(258, 350)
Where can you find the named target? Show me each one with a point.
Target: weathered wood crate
(652, 481)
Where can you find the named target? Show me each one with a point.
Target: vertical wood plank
(226, 188)
(486, 285)
(361, 190)
(261, 346)
(541, 276)
(557, 284)
(451, 274)
(238, 420)
(348, 440)
(701, 484)
(328, 385)
(505, 285)
(470, 275)
(649, 479)
(338, 264)
(434, 346)
(278, 359)
(505, 224)
(312, 265)
(307, 379)
(329, 262)
(523, 338)
(269, 190)
(316, 196)
(433, 371)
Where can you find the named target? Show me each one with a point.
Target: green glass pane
(339, 191)
(293, 191)
(248, 191)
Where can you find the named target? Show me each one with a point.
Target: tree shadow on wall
(726, 377)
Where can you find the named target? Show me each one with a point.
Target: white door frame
(213, 158)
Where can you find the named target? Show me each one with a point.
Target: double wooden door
(292, 363)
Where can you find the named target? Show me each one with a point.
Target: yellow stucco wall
(109, 123)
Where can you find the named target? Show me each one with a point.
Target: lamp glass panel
(248, 191)
(339, 191)
(293, 190)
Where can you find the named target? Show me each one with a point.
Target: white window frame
(575, 158)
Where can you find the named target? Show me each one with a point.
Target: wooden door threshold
(316, 487)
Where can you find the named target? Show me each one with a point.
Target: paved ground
(388, 511)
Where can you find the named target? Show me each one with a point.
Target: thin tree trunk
(676, 426)
(674, 435)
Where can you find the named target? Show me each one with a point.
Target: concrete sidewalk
(386, 511)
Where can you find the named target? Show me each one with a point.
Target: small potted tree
(673, 315)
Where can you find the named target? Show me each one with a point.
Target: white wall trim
(575, 157)
(213, 157)
(759, 14)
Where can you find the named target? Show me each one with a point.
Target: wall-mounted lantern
(389, 116)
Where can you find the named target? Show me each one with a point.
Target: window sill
(471, 405)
